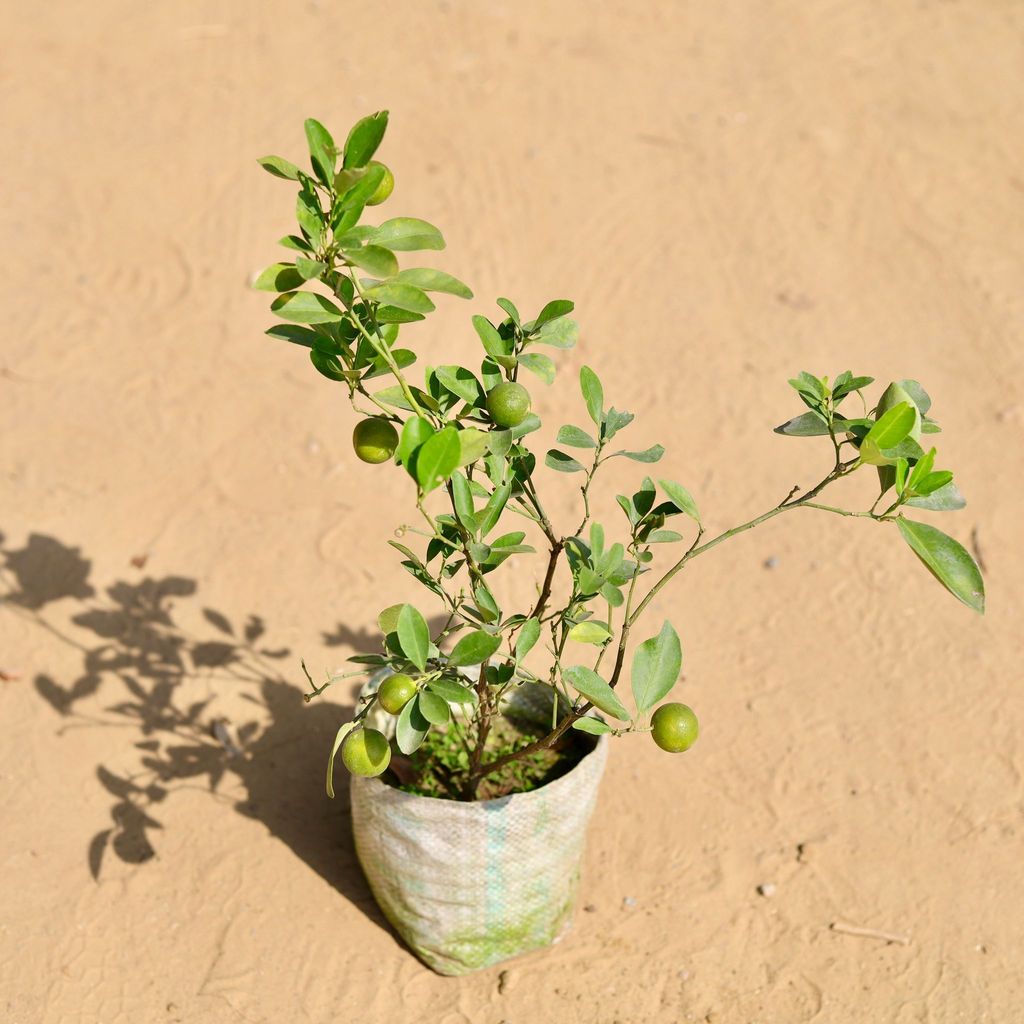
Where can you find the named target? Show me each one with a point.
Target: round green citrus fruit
(386, 186)
(366, 752)
(395, 692)
(674, 727)
(375, 440)
(508, 404)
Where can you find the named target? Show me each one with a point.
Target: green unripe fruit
(395, 692)
(508, 404)
(374, 440)
(674, 727)
(366, 752)
(386, 186)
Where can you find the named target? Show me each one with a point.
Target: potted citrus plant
(477, 746)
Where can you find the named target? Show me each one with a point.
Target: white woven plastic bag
(467, 885)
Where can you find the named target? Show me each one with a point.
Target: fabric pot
(467, 885)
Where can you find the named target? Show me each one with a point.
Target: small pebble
(770, 562)
(684, 974)
(628, 901)
(766, 889)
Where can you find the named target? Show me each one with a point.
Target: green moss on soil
(438, 768)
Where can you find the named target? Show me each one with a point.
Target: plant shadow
(147, 671)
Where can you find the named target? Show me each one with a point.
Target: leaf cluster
(345, 298)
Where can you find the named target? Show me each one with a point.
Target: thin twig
(868, 933)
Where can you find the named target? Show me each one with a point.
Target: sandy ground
(730, 192)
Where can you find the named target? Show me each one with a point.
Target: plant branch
(841, 469)
(381, 348)
(545, 592)
(630, 616)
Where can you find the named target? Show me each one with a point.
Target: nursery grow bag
(469, 884)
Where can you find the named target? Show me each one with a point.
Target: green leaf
(497, 347)
(412, 727)
(434, 708)
(438, 459)
(541, 365)
(298, 336)
(614, 421)
(321, 150)
(279, 277)
(846, 383)
(491, 513)
(589, 632)
(394, 396)
(946, 499)
(652, 454)
(394, 315)
(349, 207)
(434, 281)
(596, 690)
(562, 462)
(663, 537)
(808, 424)
(917, 393)
(295, 242)
(509, 307)
(401, 296)
(310, 217)
(892, 427)
(279, 167)
(656, 665)
(594, 726)
(328, 364)
(309, 270)
(306, 308)
(388, 619)
(364, 138)
(413, 636)
(558, 334)
(933, 482)
(627, 506)
(899, 472)
(472, 445)
(490, 374)
(593, 393)
(643, 499)
(374, 259)
(474, 649)
(529, 634)
(402, 357)
(460, 381)
(807, 384)
(575, 437)
(485, 602)
(339, 737)
(681, 498)
(922, 469)
(451, 691)
(552, 311)
(407, 234)
(462, 497)
(947, 560)
(415, 433)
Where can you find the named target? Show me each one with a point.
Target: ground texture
(731, 192)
